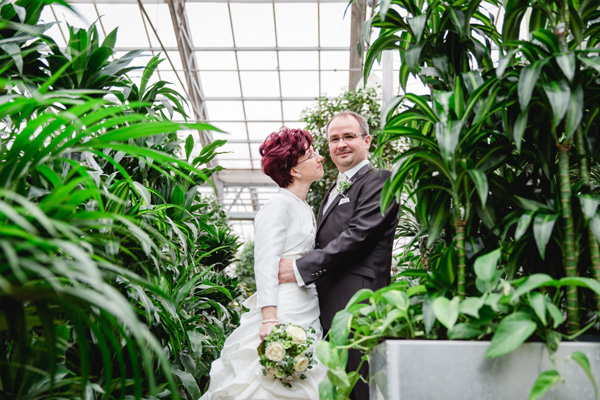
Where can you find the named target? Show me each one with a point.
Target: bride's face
(309, 166)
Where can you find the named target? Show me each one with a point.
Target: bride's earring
(299, 176)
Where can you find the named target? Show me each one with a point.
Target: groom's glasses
(348, 137)
(311, 155)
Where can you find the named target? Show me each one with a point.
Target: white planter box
(440, 369)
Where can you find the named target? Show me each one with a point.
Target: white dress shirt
(349, 174)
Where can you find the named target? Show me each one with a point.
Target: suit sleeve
(270, 226)
(366, 227)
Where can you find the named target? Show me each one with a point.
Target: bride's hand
(265, 329)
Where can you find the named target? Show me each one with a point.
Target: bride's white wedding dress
(283, 228)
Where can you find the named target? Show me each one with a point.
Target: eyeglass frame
(346, 138)
(314, 153)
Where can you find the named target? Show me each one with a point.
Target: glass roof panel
(300, 84)
(216, 60)
(209, 24)
(160, 19)
(220, 84)
(128, 21)
(263, 111)
(260, 84)
(335, 60)
(292, 110)
(257, 60)
(225, 110)
(298, 60)
(334, 82)
(259, 131)
(297, 24)
(335, 27)
(255, 31)
(233, 131)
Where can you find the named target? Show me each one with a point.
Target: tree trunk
(569, 250)
(460, 250)
(584, 171)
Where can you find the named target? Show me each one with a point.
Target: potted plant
(501, 170)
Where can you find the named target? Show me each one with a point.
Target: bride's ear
(294, 172)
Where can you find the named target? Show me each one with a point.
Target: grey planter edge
(443, 369)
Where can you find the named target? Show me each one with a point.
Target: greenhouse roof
(246, 67)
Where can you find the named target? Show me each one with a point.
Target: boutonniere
(342, 186)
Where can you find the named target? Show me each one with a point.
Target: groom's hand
(286, 271)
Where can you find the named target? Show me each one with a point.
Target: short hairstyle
(281, 150)
(362, 122)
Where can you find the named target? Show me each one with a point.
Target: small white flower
(297, 334)
(342, 186)
(275, 352)
(300, 363)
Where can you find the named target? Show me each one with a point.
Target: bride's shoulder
(276, 205)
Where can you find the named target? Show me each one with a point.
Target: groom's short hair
(362, 122)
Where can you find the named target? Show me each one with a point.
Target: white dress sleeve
(270, 228)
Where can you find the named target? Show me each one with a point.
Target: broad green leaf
(446, 311)
(531, 282)
(436, 224)
(574, 112)
(447, 136)
(471, 306)
(338, 377)
(589, 283)
(532, 205)
(538, 303)
(527, 81)
(340, 328)
(566, 62)
(505, 62)
(361, 295)
(543, 224)
(189, 382)
(523, 224)
(555, 313)
(189, 146)
(463, 331)
(327, 390)
(584, 363)
(398, 299)
(486, 270)
(327, 354)
(543, 383)
(412, 57)
(589, 205)
(548, 39)
(519, 129)
(513, 331)
(559, 96)
(481, 184)
(417, 24)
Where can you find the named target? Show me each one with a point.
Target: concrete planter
(440, 369)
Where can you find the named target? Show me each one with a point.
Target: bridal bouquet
(285, 353)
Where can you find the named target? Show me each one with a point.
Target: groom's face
(349, 146)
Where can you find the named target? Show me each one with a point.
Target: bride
(284, 227)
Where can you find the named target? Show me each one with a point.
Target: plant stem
(585, 178)
(459, 224)
(569, 251)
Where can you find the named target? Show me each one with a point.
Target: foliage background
(111, 282)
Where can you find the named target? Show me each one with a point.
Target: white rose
(275, 352)
(300, 363)
(298, 335)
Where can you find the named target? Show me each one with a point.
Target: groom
(353, 247)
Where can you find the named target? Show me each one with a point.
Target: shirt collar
(352, 171)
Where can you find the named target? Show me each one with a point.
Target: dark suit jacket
(353, 248)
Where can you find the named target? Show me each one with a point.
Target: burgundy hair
(281, 150)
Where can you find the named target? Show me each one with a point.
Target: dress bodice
(284, 227)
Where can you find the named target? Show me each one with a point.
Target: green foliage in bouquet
(286, 353)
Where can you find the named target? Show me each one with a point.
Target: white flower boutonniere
(342, 186)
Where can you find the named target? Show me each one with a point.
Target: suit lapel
(358, 176)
